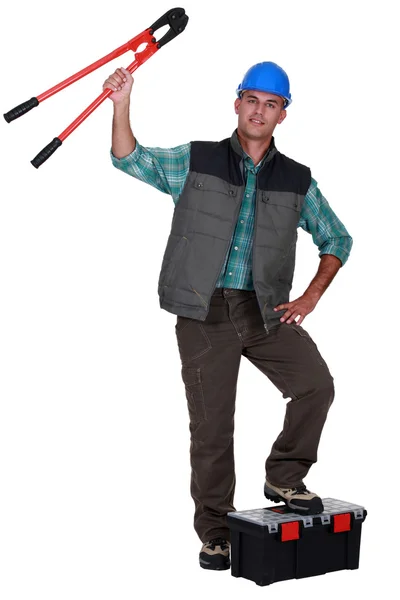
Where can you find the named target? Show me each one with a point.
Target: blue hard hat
(266, 77)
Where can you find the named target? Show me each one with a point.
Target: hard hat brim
(288, 101)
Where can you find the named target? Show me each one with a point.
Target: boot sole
(314, 509)
(218, 563)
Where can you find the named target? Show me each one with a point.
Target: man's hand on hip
(298, 308)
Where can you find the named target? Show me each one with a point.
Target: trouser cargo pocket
(194, 394)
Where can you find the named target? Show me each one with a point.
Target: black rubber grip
(46, 152)
(20, 110)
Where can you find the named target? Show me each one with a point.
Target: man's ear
(237, 104)
(282, 117)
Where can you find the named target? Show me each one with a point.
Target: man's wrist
(313, 293)
(122, 108)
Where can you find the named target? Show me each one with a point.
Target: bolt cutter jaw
(177, 21)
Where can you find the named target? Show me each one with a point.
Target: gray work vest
(204, 222)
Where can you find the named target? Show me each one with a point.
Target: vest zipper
(254, 236)
(229, 245)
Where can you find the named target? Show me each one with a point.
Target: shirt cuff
(125, 161)
(341, 253)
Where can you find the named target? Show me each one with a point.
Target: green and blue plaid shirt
(167, 169)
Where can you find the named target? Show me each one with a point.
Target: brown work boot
(298, 499)
(215, 555)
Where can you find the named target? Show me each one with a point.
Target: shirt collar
(239, 150)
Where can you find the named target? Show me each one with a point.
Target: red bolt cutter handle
(177, 21)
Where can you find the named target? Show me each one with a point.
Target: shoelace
(218, 542)
(298, 490)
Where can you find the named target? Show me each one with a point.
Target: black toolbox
(273, 544)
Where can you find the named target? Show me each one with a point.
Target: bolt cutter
(177, 21)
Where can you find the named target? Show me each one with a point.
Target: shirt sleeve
(328, 232)
(166, 169)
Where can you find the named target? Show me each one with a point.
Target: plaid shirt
(167, 169)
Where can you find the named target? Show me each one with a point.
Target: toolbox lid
(271, 516)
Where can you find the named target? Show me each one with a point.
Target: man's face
(259, 113)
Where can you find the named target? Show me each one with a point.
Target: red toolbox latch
(341, 523)
(290, 531)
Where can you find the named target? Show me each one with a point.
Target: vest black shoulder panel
(216, 158)
(284, 174)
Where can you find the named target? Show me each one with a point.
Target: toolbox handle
(177, 21)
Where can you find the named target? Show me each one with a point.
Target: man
(227, 273)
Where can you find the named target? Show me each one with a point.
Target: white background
(94, 438)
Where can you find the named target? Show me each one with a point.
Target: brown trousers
(210, 353)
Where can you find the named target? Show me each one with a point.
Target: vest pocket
(283, 199)
(210, 183)
(173, 262)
